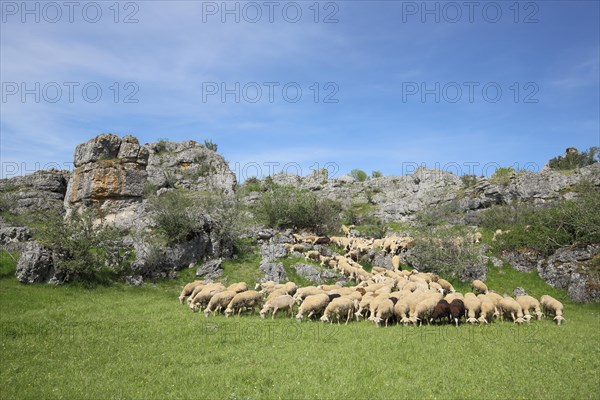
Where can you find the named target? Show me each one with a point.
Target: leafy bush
(502, 176)
(82, 249)
(161, 145)
(289, 207)
(210, 145)
(175, 215)
(565, 223)
(376, 174)
(572, 160)
(444, 251)
(468, 180)
(359, 175)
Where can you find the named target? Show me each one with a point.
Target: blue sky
(375, 58)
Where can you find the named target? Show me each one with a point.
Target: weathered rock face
(108, 168)
(574, 269)
(210, 270)
(43, 190)
(316, 275)
(189, 165)
(273, 271)
(35, 264)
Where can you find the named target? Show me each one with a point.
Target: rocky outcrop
(189, 165)
(273, 271)
(40, 191)
(211, 269)
(35, 264)
(316, 275)
(576, 269)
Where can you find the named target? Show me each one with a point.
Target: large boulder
(574, 269)
(273, 271)
(211, 269)
(316, 275)
(35, 264)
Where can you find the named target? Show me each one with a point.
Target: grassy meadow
(76, 342)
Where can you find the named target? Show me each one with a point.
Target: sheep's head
(324, 318)
(482, 320)
(559, 319)
(299, 317)
(539, 314)
(228, 311)
(519, 320)
(206, 312)
(262, 314)
(257, 286)
(527, 318)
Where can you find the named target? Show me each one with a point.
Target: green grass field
(125, 342)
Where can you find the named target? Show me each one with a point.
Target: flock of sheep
(382, 296)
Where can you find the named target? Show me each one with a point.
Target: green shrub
(468, 180)
(359, 175)
(210, 145)
(82, 250)
(502, 176)
(174, 214)
(376, 174)
(565, 223)
(289, 207)
(161, 145)
(443, 251)
(574, 159)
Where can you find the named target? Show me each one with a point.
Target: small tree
(502, 176)
(376, 174)
(574, 159)
(359, 175)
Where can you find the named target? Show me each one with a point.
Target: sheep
(527, 303)
(327, 288)
(457, 310)
(219, 301)
(204, 296)
(424, 308)
(552, 306)
(304, 292)
(364, 304)
(340, 307)
(487, 311)
(456, 295)
(479, 286)
(509, 306)
(436, 286)
(264, 285)
(248, 299)
(477, 237)
(473, 306)
(290, 288)
(276, 293)
(441, 311)
(238, 287)
(448, 288)
(383, 311)
(296, 247)
(282, 302)
(188, 289)
(312, 306)
(396, 262)
(312, 255)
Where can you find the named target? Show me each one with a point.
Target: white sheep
(479, 286)
(283, 302)
(248, 299)
(473, 306)
(238, 287)
(529, 303)
(219, 302)
(423, 308)
(188, 289)
(448, 288)
(304, 292)
(487, 310)
(312, 255)
(383, 311)
(509, 306)
(338, 308)
(312, 306)
(204, 296)
(552, 306)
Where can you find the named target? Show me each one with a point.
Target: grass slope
(126, 342)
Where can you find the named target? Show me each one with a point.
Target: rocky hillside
(127, 183)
